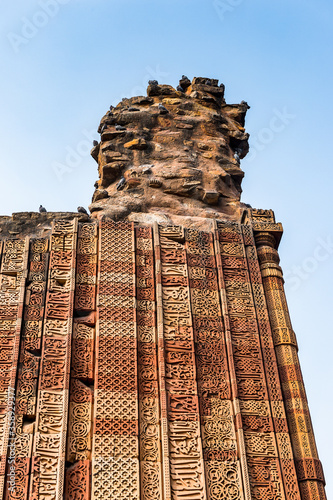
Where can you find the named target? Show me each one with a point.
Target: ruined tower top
(171, 154)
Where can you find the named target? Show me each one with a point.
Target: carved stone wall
(146, 352)
(151, 362)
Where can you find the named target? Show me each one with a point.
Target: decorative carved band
(48, 465)
(185, 449)
(299, 422)
(149, 414)
(115, 467)
(12, 288)
(260, 440)
(217, 419)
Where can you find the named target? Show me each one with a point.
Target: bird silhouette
(162, 109)
(95, 143)
(121, 184)
(236, 156)
(42, 209)
(120, 127)
(152, 82)
(82, 210)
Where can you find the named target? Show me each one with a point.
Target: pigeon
(111, 108)
(236, 156)
(162, 109)
(184, 77)
(152, 82)
(208, 82)
(121, 184)
(82, 210)
(95, 143)
(42, 209)
(180, 89)
(120, 127)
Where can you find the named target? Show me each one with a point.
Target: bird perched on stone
(180, 89)
(95, 143)
(111, 108)
(208, 82)
(121, 184)
(184, 82)
(244, 103)
(152, 82)
(120, 127)
(236, 156)
(82, 210)
(162, 109)
(42, 209)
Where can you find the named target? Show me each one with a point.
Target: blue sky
(63, 62)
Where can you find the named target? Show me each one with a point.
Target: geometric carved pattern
(116, 403)
(150, 456)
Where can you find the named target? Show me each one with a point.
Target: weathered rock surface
(178, 152)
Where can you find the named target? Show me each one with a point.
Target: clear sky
(63, 62)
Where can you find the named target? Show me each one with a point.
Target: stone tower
(147, 351)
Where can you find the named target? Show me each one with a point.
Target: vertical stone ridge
(161, 367)
(308, 466)
(17, 480)
(79, 435)
(270, 364)
(48, 463)
(149, 413)
(231, 362)
(184, 437)
(222, 466)
(13, 275)
(256, 419)
(115, 466)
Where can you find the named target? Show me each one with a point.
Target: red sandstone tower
(147, 351)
